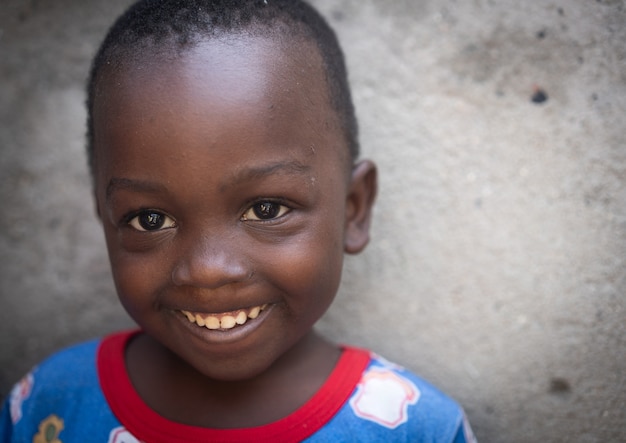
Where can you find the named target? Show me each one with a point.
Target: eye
(265, 210)
(151, 221)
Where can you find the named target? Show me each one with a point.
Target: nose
(210, 262)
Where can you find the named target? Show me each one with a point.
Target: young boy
(223, 144)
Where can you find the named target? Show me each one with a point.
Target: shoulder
(423, 394)
(393, 404)
(77, 366)
(58, 376)
(62, 372)
(77, 360)
(62, 389)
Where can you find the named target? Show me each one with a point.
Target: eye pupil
(266, 210)
(151, 220)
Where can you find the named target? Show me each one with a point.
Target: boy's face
(223, 185)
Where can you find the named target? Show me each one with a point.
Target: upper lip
(216, 302)
(221, 302)
(217, 311)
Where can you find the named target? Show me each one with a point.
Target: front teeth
(227, 322)
(254, 312)
(224, 321)
(211, 323)
(241, 318)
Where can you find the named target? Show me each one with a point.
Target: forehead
(251, 81)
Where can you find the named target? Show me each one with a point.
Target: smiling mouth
(226, 320)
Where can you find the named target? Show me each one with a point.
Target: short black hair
(179, 24)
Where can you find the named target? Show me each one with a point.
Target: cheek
(139, 279)
(308, 270)
(132, 283)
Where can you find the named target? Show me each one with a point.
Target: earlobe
(359, 204)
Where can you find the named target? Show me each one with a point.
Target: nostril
(179, 275)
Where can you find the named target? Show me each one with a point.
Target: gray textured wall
(497, 268)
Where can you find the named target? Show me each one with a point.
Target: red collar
(146, 425)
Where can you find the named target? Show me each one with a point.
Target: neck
(180, 393)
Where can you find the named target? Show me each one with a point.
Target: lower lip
(226, 336)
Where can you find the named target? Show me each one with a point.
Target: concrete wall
(497, 266)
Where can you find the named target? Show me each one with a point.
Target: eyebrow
(133, 185)
(258, 172)
(248, 174)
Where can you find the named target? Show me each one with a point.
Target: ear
(359, 203)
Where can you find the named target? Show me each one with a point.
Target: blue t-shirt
(83, 394)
